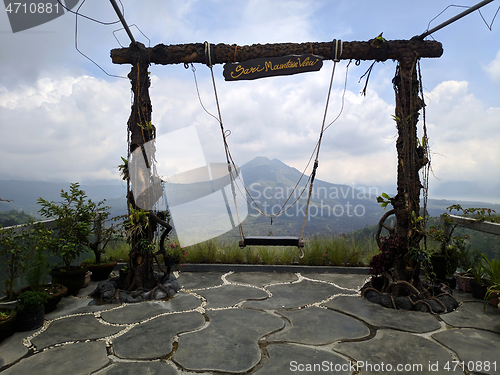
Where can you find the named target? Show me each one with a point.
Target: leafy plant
(145, 246)
(383, 263)
(136, 223)
(123, 169)
(13, 254)
(492, 270)
(31, 301)
(477, 272)
(467, 258)
(102, 235)
(491, 292)
(6, 314)
(74, 221)
(384, 200)
(22, 252)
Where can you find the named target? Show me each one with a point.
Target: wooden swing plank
(272, 241)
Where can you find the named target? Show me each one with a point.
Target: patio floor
(258, 323)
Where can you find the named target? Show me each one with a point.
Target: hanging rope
(208, 56)
(336, 53)
(336, 58)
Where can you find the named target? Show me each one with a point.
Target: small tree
(102, 236)
(18, 250)
(74, 221)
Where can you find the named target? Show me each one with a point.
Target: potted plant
(99, 265)
(492, 295)
(174, 254)
(492, 279)
(37, 269)
(444, 259)
(30, 310)
(73, 227)
(467, 259)
(477, 283)
(16, 247)
(8, 316)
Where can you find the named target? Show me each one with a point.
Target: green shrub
(31, 301)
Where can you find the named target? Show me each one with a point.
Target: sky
(62, 118)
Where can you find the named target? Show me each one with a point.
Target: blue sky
(64, 119)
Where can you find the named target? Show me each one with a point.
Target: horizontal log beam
(375, 49)
(482, 226)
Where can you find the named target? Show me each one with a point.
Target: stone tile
(230, 295)
(137, 312)
(229, 343)
(344, 280)
(197, 280)
(473, 315)
(295, 295)
(143, 368)
(75, 359)
(383, 317)
(70, 305)
(261, 278)
(485, 347)
(153, 339)
(317, 326)
(12, 348)
(82, 327)
(289, 359)
(393, 348)
(462, 296)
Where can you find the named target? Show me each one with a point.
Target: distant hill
(334, 208)
(24, 195)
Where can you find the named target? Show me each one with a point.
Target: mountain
(334, 208)
(24, 195)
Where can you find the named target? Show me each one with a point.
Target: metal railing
(17, 229)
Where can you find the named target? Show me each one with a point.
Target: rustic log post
(411, 158)
(141, 130)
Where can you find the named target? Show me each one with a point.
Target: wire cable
(78, 14)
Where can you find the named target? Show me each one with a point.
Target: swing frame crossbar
(272, 241)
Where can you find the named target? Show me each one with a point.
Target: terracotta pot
(8, 326)
(494, 300)
(100, 271)
(86, 281)
(73, 279)
(463, 282)
(55, 291)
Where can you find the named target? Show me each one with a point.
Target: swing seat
(272, 241)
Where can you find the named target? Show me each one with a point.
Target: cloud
(72, 128)
(493, 68)
(463, 135)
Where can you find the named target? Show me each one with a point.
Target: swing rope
(336, 52)
(208, 53)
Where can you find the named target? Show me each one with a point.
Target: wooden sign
(269, 67)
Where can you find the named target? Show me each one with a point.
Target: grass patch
(118, 250)
(318, 251)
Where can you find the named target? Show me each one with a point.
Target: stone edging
(266, 268)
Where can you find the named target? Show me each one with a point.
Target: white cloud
(463, 135)
(72, 128)
(493, 68)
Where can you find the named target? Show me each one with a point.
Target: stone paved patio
(257, 323)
